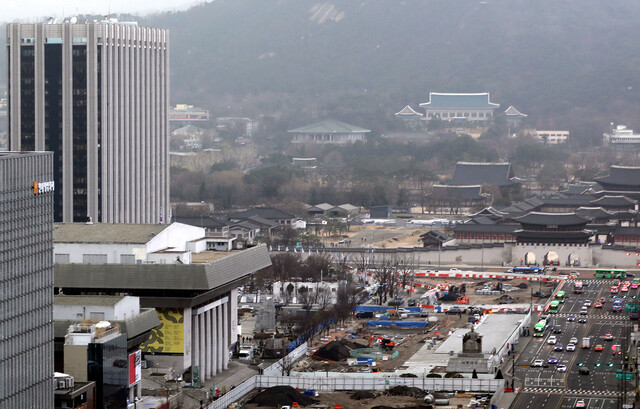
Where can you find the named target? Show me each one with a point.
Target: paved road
(546, 387)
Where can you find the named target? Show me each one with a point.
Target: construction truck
(462, 300)
(385, 343)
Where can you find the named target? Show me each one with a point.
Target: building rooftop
(470, 173)
(495, 329)
(620, 200)
(514, 113)
(408, 112)
(106, 233)
(216, 273)
(268, 213)
(552, 219)
(87, 300)
(621, 176)
(329, 126)
(439, 100)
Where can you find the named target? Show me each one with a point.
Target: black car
(411, 303)
(582, 320)
(583, 371)
(557, 330)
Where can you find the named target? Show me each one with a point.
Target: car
(581, 404)
(583, 371)
(582, 320)
(587, 303)
(561, 368)
(598, 305)
(575, 273)
(627, 284)
(571, 347)
(538, 363)
(616, 350)
(584, 311)
(599, 347)
(608, 337)
(573, 340)
(614, 290)
(412, 303)
(557, 348)
(571, 318)
(552, 340)
(557, 330)
(552, 360)
(634, 286)
(602, 300)
(624, 289)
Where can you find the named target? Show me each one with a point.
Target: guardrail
(324, 384)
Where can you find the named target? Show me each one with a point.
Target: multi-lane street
(596, 386)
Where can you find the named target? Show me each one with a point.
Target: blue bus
(527, 270)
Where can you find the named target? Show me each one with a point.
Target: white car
(587, 303)
(573, 340)
(538, 362)
(580, 404)
(552, 340)
(571, 347)
(561, 368)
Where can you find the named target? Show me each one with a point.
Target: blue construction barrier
(399, 324)
(383, 308)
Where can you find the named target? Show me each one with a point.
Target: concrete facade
(97, 95)
(26, 280)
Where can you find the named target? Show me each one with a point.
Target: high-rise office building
(97, 95)
(26, 280)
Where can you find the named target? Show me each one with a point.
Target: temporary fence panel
(235, 394)
(276, 368)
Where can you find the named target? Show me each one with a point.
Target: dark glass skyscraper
(97, 96)
(26, 280)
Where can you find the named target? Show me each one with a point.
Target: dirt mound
(281, 395)
(333, 351)
(407, 391)
(360, 395)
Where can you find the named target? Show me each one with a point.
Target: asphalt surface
(545, 387)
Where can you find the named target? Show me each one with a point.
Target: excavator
(385, 343)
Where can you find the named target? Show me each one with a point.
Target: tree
(285, 265)
(316, 265)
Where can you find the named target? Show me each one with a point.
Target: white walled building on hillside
(552, 137)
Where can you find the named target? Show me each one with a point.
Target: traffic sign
(627, 376)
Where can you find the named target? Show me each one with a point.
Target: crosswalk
(604, 316)
(610, 281)
(559, 391)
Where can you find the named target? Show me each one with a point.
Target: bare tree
(285, 265)
(405, 269)
(323, 297)
(286, 364)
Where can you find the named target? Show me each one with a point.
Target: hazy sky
(34, 10)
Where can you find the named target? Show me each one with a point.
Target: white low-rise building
(553, 137)
(103, 243)
(620, 135)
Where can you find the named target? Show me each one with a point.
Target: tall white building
(97, 95)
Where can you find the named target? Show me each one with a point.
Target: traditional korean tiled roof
(626, 231)
(514, 113)
(573, 201)
(471, 173)
(329, 126)
(439, 100)
(580, 188)
(457, 192)
(593, 213)
(436, 235)
(621, 176)
(268, 213)
(614, 201)
(485, 228)
(547, 219)
(408, 112)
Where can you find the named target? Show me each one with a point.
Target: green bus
(560, 296)
(539, 328)
(610, 273)
(553, 307)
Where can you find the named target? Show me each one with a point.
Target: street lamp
(201, 209)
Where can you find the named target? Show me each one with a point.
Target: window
(61, 258)
(94, 258)
(96, 316)
(127, 259)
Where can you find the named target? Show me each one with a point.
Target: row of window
(27, 376)
(485, 236)
(459, 115)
